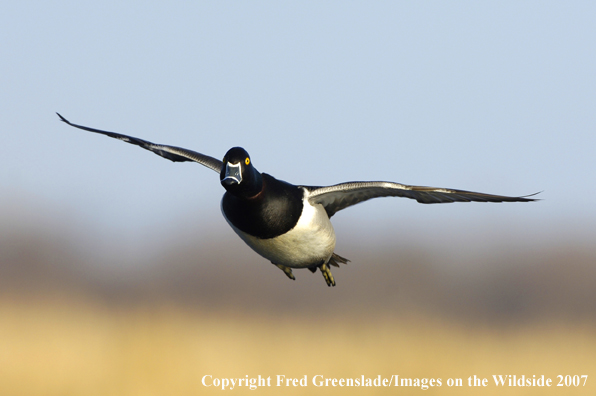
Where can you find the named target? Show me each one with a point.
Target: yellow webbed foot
(327, 274)
(286, 270)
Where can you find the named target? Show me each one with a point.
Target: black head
(238, 176)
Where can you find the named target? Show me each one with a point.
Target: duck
(288, 224)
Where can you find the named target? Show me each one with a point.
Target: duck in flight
(289, 224)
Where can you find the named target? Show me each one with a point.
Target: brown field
(77, 323)
(83, 348)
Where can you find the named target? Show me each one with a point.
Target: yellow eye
(247, 161)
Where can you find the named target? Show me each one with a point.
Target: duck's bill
(233, 174)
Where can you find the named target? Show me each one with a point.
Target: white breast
(310, 242)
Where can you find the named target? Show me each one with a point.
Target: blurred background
(118, 274)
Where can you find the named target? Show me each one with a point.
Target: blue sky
(497, 97)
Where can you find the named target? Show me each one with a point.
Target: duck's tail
(336, 260)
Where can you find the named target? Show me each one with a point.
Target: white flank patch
(310, 242)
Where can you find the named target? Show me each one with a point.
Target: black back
(272, 212)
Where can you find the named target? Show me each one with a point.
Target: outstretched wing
(176, 154)
(340, 196)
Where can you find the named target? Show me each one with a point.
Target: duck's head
(238, 176)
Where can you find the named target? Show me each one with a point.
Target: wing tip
(526, 199)
(62, 118)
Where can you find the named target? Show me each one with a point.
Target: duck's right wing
(175, 154)
(341, 196)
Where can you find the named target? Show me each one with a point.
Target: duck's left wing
(340, 196)
(175, 154)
